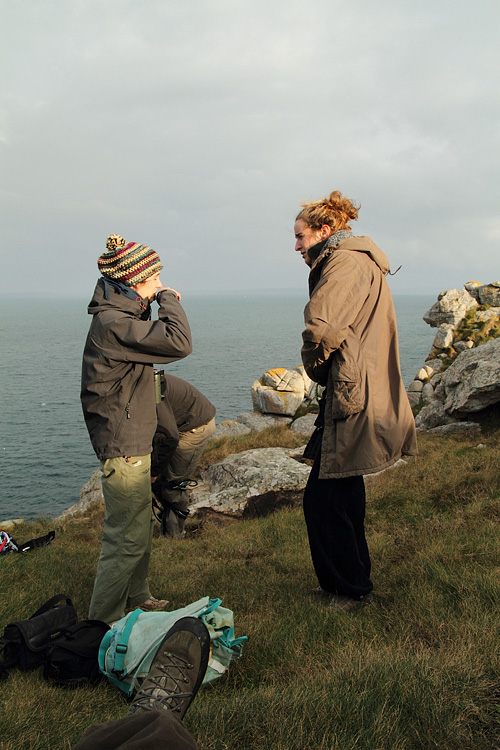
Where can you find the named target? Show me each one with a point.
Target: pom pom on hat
(128, 262)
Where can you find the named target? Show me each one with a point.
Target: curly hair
(336, 211)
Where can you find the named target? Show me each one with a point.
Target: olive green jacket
(122, 346)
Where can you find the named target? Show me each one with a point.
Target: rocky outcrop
(462, 372)
(90, 494)
(472, 382)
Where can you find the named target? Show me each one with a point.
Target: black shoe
(347, 604)
(177, 670)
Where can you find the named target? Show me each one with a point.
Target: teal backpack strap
(121, 646)
(212, 604)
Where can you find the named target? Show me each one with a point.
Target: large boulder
(472, 382)
(279, 391)
(450, 308)
(245, 483)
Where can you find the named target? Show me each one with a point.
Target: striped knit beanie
(128, 262)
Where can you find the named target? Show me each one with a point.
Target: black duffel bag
(25, 643)
(72, 659)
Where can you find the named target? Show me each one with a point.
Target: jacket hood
(107, 297)
(359, 244)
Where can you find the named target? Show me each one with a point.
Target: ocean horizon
(45, 452)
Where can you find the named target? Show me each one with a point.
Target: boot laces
(166, 686)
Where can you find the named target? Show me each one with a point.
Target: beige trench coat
(351, 347)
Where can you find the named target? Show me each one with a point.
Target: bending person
(186, 421)
(365, 424)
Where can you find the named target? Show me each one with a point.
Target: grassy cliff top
(418, 669)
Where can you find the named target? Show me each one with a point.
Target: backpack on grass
(129, 647)
(71, 660)
(24, 643)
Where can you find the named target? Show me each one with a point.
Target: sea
(45, 452)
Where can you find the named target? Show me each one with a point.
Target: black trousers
(334, 511)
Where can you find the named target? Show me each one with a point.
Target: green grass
(418, 669)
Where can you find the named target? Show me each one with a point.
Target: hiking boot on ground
(177, 670)
(346, 604)
(153, 605)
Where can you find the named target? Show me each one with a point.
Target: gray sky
(197, 127)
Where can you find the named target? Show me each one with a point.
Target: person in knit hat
(119, 407)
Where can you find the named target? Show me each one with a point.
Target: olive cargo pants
(122, 571)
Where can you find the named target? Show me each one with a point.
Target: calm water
(45, 453)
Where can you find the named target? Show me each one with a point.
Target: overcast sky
(197, 128)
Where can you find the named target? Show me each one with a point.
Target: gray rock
(415, 386)
(439, 392)
(432, 415)
(427, 393)
(462, 346)
(238, 484)
(90, 494)
(473, 288)
(231, 427)
(414, 397)
(451, 308)
(257, 422)
(436, 364)
(444, 336)
(304, 425)
(492, 313)
(455, 427)
(489, 294)
(472, 382)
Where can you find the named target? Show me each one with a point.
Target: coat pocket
(346, 390)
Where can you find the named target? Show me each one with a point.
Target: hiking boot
(153, 605)
(177, 669)
(347, 604)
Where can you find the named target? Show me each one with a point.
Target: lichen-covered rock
(489, 294)
(451, 307)
(473, 288)
(280, 379)
(279, 391)
(484, 316)
(472, 382)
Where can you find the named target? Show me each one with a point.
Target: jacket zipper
(127, 408)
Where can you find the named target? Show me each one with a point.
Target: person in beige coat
(365, 424)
